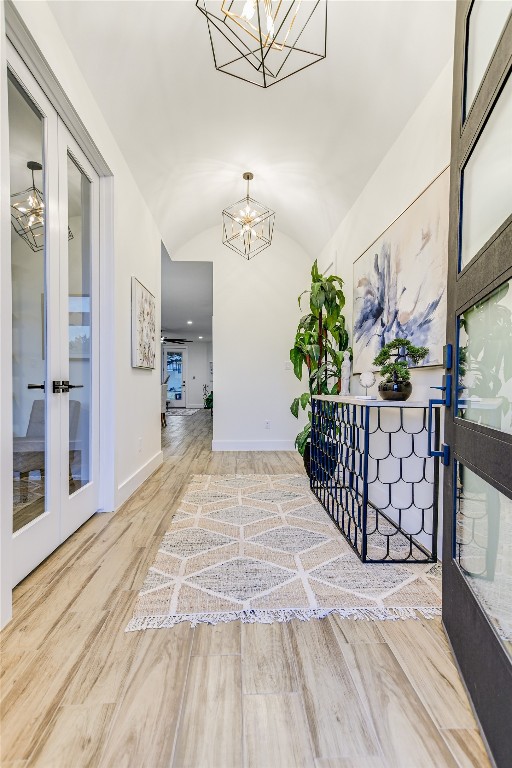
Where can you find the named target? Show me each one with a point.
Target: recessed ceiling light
(199, 337)
(189, 322)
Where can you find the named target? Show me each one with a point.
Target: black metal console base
(371, 471)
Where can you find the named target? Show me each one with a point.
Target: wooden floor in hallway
(78, 691)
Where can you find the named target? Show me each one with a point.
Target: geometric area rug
(260, 548)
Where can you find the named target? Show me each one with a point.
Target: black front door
(477, 558)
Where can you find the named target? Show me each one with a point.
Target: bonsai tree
(320, 341)
(393, 359)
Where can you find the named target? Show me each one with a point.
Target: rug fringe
(254, 616)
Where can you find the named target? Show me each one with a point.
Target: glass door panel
(79, 325)
(28, 262)
(487, 180)
(35, 283)
(175, 370)
(79, 313)
(485, 361)
(485, 24)
(484, 548)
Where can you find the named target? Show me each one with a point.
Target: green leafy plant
(207, 397)
(393, 359)
(320, 341)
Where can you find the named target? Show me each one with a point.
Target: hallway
(79, 691)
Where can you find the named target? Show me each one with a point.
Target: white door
(54, 288)
(79, 321)
(174, 369)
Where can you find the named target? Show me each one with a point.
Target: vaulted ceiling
(312, 141)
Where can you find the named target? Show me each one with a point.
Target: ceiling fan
(167, 340)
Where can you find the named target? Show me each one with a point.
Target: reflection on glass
(28, 307)
(79, 325)
(485, 25)
(487, 180)
(484, 547)
(485, 361)
(175, 373)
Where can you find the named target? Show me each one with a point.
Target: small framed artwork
(143, 326)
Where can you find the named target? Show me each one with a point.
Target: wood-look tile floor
(78, 691)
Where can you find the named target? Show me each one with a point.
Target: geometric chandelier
(27, 212)
(247, 226)
(265, 41)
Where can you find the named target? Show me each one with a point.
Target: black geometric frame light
(247, 226)
(27, 212)
(265, 41)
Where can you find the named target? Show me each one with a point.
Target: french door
(477, 563)
(174, 369)
(54, 257)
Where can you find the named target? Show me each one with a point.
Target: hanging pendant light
(247, 226)
(265, 41)
(28, 211)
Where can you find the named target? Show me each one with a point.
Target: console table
(372, 473)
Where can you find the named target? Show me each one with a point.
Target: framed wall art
(400, 281)
(143, 326)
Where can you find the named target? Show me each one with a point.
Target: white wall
(255, 314)
(135, 452)
(420, 153)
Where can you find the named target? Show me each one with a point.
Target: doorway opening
(186, 338)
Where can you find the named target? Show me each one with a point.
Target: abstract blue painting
(400, 281)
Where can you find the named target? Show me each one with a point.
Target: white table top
(353, 400)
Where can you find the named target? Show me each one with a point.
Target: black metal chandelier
(265, 41)
(247, 226)
(27, 212)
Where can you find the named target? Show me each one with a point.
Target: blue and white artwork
(400, 281)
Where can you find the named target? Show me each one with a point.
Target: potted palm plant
(320, 341)
(393, 359)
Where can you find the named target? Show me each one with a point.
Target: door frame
(176, 348)
(480, 654)
(14, 30)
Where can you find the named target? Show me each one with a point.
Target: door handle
(444, 453)
(36, 386)
(66, 386)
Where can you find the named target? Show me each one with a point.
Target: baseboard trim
(253, 445)
(130, 485)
